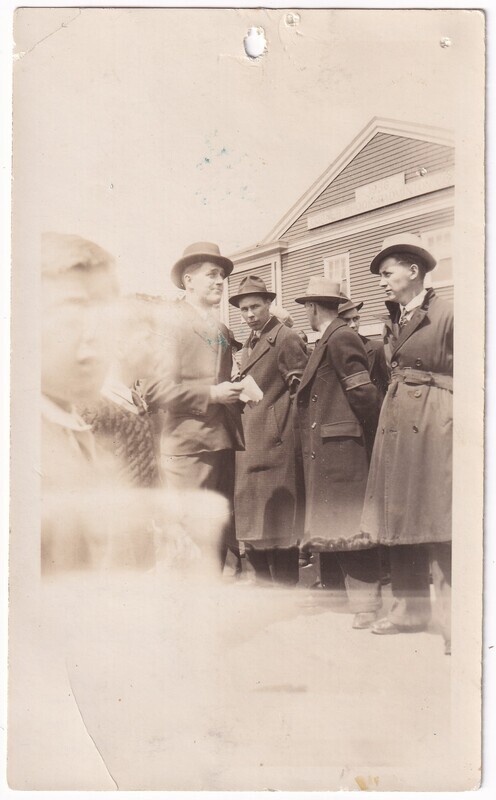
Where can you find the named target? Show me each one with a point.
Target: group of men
(320, 463)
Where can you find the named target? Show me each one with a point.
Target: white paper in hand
(251, 390)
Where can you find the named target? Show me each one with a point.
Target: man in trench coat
(201, 427)
(266, 489)
(337, 408)
(408, 502)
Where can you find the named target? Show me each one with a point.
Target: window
(439, 243)
(337, 268)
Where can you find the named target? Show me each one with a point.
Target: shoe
(364, 619)
(447, 647)
(385, 627)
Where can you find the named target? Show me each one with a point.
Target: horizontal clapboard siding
(446, 292)
(383, 156)
(299, 265)
(236, 323)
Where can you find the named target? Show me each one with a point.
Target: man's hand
(225, 393)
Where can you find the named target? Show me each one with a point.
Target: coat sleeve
(291, 361)
(380, 372)
(166, 392)
(350, 361)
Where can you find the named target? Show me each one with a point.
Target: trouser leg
(260, 564)
(440, 561)
(331, 574)
(283, 564)
(410, 585)
(362, 572)
(210, 470)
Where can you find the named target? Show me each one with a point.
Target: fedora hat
(198, 253)
(349, 305)
(322, 290)
(403, 243)
(251, 284)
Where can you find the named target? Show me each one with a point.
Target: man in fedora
(201, 427)
(408, 503)
(266, 491)
(337, 407)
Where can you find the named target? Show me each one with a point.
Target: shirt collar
(52, 412)
(257, 334)
(415, 302)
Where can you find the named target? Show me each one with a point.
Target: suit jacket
(197, 354)
(337, 406)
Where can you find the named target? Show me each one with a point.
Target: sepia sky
(149, 129)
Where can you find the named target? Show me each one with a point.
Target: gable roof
(376, 125)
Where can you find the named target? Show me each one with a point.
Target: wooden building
(393, 177)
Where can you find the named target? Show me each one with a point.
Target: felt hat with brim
(349, 305)
(251, 284)
(198, 253)
(322, 290)
(403, 243)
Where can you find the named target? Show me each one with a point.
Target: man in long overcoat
(331, 576)
(266, 479)
(337, 405)
(201, 427)
(408, 503)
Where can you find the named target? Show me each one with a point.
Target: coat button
(312, 455)
(415, 429)
(313, 425)
(418, 362)
(314, 398)
(394, 364)
(418, 393)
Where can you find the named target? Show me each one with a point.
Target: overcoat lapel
(407, 330)
(318, 352)
(262, 346)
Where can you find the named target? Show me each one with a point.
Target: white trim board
(425, 206)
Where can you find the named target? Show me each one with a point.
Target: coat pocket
(347, 428)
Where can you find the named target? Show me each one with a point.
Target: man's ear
(415, 271)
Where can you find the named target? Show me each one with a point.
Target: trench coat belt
(419, 377)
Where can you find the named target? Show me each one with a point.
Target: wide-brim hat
(251, 284)
(322, 290)
(198, 253)
(349, 305)
(403, 243)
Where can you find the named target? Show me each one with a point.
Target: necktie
(255, 337)
(403, 318)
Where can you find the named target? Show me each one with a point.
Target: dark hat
(322, 290)
(349, 305)
(251, 284)
(198, 253)
(403, 243)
